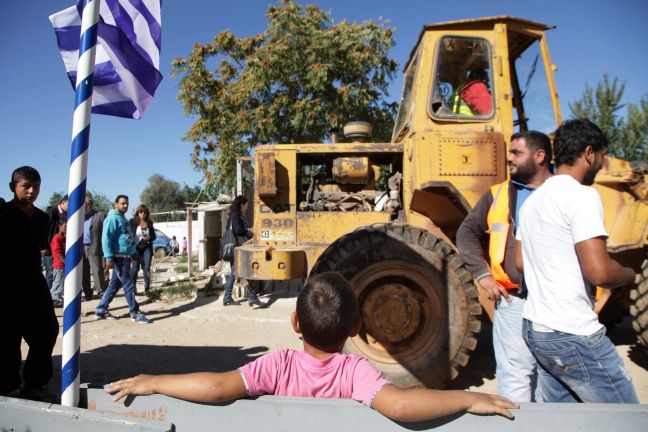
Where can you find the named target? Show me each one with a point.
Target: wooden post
(189, 239)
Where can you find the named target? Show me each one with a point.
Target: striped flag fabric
(127, 61)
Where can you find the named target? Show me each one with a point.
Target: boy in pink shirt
(325, 316)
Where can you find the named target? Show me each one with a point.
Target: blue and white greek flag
(129, 36)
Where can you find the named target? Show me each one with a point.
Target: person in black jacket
(239, 226)
(54, 213)
(144, 237)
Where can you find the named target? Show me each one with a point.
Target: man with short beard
(495, 216)
(561, 247)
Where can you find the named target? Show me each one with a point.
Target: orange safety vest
(499, 227)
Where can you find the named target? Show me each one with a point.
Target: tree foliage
(162, 195)
(628, 136)
(292, 83)
(100, 202)
(55, 199)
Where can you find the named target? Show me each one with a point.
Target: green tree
(162, 195)
(100, 202)
(634, 132)
(628, 136)
(55, 199)
(292, 83)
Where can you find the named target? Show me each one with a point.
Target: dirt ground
(204, 335)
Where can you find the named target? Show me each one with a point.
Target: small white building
(212, 218)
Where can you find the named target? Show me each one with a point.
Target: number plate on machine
(277, 229)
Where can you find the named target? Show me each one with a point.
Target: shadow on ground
(107, 364)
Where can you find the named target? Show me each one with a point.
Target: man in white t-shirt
(561, 247)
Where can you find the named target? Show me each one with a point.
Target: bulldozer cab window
(532, 108)
(463, 84)
(406, 98)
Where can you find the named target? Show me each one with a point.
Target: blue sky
(591, 38)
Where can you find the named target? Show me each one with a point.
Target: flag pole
(76, 205)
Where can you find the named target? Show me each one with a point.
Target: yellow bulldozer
(385, 215)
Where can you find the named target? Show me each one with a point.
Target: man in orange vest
(495, 215)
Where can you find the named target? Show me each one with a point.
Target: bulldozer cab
(492, 71)
(469, 85)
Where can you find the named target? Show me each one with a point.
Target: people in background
(237, 222)
(173, 244)
(58, 264)
(142, 227)
(120, 252)
(54, 213)
(85, 279)
(94, 252)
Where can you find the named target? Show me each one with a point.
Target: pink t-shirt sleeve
(261, 375)
(367, 380)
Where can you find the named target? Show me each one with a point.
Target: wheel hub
(391, 313)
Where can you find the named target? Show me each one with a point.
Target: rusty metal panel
(351, 170)
(326, 227)
(266, 179)
(268, 263)
(630, 227)
(472, 155)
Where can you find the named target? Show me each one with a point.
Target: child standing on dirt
(173, 244)
(58, 264)
(326, 315)
(184, 246)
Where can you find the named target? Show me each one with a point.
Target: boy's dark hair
(120, 197)
(24, 172)
(573, 136)
(327, 310)
(535, 141)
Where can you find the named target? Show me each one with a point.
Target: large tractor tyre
(417, 302)
(639, 308)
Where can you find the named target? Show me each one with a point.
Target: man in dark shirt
(27, 311)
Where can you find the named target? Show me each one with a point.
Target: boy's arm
(424, 404)
(206, 387)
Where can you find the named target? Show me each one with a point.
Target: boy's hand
(139, 385)
(491, 404)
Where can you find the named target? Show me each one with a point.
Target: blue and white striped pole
(76, 210)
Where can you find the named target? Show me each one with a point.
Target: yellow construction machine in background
(385, 215)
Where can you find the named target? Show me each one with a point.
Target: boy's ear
(356, 328)
(295, 322)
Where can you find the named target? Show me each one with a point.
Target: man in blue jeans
(561, 247)
(495, 217)
(118, 246)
